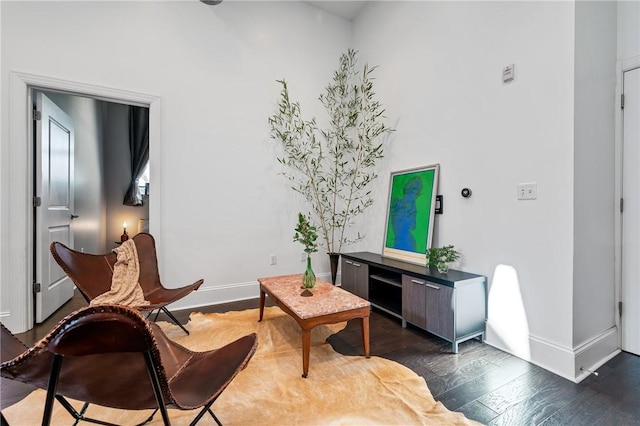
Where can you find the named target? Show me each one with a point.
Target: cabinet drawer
(414, 303)
(355, 277)
(440, 310)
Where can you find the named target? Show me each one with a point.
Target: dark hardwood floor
(484, 383)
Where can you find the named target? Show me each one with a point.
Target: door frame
(53, 219)
(622, 67)
(17, 246)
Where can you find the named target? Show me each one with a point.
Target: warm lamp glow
(124, 237)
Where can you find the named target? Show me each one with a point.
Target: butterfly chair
(11, 392)
(110, 355)
(92, 274)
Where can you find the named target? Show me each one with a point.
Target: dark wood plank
(622, 380)
(541, 405)
(463, 373)
(518, 390)
(386, 335)
(482, 385)
(416, 357)
(588, 408)
(627, 413)
(478, 412)
(445, 363)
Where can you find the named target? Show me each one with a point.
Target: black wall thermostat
(466, 192)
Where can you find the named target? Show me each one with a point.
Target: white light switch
(527, 191)
(508, 73)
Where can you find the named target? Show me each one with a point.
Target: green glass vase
(308, 278)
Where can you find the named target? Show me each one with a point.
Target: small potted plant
(307, 235)
(440, 257)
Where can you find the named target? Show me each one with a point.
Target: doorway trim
(622, 66)
(17, 263)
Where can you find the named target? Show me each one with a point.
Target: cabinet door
(440, 310)
(346, 275)
(361, 279)
(355, 277)
(414, 304)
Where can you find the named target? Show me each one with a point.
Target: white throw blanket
(125, 288)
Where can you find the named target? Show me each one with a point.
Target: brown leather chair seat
(11, 391)
(92, 274)
(112, 356)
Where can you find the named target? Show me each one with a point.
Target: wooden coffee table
(328, 305)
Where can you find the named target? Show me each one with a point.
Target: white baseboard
(215, 295)
(594, 353)
(565, 362)
(551, 357)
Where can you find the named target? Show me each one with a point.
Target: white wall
(594, 174)
(595, 334)
(440, 81)
(628, 29)
(224, 208)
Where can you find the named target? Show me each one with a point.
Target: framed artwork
(410, 213)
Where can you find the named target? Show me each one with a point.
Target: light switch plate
(508, 73)
(527, 191)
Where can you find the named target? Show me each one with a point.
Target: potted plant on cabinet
(306, 233)
(333, 167)
(440, 257)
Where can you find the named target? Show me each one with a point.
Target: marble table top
(327, 298)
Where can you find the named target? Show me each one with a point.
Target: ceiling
(345, 9)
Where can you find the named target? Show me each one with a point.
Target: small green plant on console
(440, 257)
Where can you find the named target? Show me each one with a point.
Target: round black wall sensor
(466, 192)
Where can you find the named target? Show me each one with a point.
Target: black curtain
(139, 147)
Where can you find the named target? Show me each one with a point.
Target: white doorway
(630, 317)
(17, 268)
(53, 203)
(85, 213)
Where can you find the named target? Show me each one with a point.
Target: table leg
(364, 324)
(306, 348)
(261, 304)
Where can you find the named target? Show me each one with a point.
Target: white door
(54, 187)
(630, 322)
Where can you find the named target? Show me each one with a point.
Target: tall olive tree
(332, 167)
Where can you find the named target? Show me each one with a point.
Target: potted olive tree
(333, 167)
